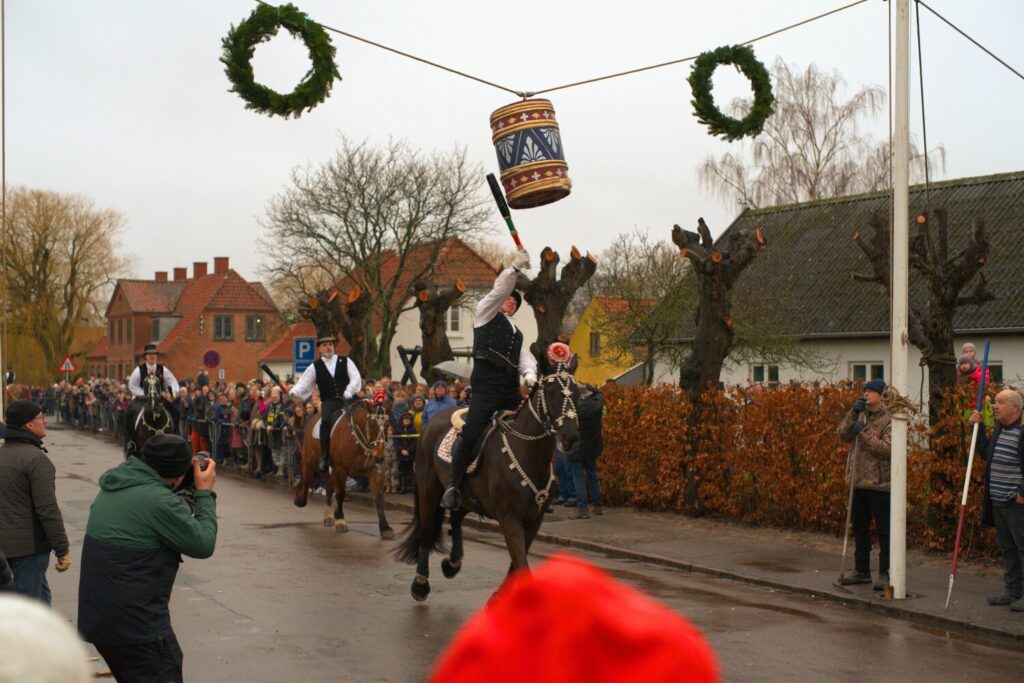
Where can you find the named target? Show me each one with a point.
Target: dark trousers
(328, 412)
(584, 476)
(155, 662)
(482, 406)
(30, 575)
(1009, 521)
(868, 504)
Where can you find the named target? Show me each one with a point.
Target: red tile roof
(282, 349)
(99, 352)
(150, 296)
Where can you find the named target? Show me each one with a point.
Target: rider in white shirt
(166, 383)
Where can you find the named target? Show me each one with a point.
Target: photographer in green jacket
(137, 532)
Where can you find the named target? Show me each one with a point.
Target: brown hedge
(774, 459)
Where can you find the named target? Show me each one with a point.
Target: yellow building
(599, 362)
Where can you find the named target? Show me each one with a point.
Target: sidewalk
(798, 562)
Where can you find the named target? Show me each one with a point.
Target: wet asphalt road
(285, 599)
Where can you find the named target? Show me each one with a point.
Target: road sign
(67, 367)
(220, 374)
(300, 367)
(304, 350)
(211, 359)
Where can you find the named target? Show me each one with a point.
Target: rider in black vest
(166, 382)
(337, 379)
(499, 356)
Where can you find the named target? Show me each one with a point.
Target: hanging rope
(977, 44)
(924, 124)
(527, 93)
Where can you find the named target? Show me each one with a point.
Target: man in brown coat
(867, 427)
(31, 526)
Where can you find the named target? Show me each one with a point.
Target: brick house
(187, 318)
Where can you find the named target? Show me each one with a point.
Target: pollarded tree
(433, 303)
(812, 147)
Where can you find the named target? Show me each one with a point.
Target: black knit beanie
(21, 412)
(168, 454)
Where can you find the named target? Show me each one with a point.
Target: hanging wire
(527, 93)
(979, 45)
(693, 57)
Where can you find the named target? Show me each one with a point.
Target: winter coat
(397, 411)
(405, 438)
(434, 406)
(986, 447)
(137, 531)
(591, 411)
(30, 520)
(874, 454)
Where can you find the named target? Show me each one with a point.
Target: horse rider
(165, 383)
(338, 379)
(499, 357)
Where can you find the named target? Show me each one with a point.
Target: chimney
(220, 265)
(198, 269)
(161, 276)
(180, 274)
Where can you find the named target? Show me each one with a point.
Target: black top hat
(149, 348)
(323, 336)
(518, 296)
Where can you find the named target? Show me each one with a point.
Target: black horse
(512, 484)
(156, 419)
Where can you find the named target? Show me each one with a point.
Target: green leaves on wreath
(262, 25)
(703, 101)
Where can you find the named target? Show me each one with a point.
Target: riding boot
(324, 457)
(460, 461)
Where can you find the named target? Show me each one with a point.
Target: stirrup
(451, 498)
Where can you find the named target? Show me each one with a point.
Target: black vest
(143, 371)
(331, 388)
(496, 350)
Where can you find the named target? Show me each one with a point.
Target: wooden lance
(499, 199)
(967, 477)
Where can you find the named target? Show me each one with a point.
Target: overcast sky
(125, 102)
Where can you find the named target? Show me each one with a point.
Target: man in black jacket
(499, 357)
(31, 526)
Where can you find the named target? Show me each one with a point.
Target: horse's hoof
(450, 569)
(387, 534)
(328, 522)
(340, 525)
(420, 591)
(299, 503)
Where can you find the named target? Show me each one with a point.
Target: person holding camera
(867, 428)
(138, 529)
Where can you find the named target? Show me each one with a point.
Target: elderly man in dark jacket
(584, 459)
(138, 530)
(31, 526)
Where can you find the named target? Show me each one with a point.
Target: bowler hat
(518, 296)
(149, 348)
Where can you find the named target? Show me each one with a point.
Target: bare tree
(812, 147)
(61, 263)
(376, 218)
(637, 272)
(433, 303)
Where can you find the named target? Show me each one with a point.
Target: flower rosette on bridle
(380, 398)
(559, 353)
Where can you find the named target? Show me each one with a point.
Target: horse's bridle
(153, 398)
(378, 415)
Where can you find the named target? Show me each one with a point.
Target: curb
(886, 608)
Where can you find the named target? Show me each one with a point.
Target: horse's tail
(408, 550)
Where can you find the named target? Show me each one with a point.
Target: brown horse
(359, 446)
(13, 392)
(512, 484)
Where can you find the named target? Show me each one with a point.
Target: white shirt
(135, 381)
(307, 381)
(490, 306)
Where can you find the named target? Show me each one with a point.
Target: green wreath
(261, 26)
(703, 101)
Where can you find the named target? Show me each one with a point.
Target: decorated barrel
(530, 154)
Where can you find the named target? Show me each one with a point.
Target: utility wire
(693, 57)
(924, 128)
(979, 45)
(527, 93)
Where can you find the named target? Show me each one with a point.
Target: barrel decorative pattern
(530, 154)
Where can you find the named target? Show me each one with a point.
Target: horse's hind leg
(338, 477)
(451, 565)
(386, 532)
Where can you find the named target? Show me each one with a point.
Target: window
(128, 325)
(223, 328)
(595, 343)
(996, 370)
(110, 332)
(453, 320)
(120, 331)
(765, 374)
(154, 332)
(255, 328)
(862, 372)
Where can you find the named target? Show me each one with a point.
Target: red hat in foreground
(571, 621)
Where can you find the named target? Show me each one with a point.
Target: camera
(203, 457)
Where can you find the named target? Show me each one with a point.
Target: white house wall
(407, 333)
(1007, 351)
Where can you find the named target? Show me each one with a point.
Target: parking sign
(304, 350)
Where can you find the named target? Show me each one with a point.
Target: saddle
(316, 425)
(447, 444)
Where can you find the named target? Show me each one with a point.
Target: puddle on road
(780, 566)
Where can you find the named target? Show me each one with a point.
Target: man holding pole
(1003, 506)
(868, 466)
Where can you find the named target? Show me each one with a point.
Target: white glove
(530, 379)
(521, 261)
(347, 395)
